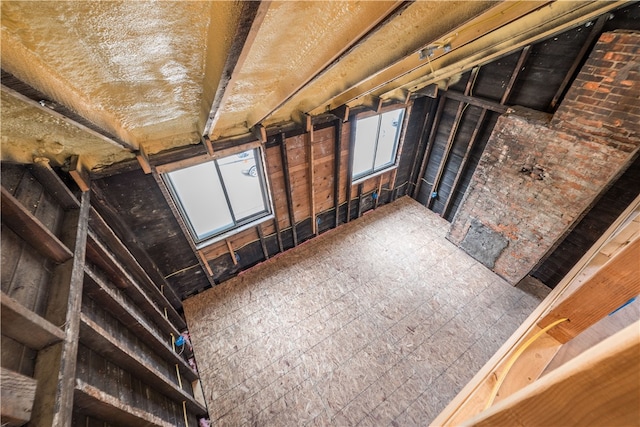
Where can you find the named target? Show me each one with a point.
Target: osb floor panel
(380, 322)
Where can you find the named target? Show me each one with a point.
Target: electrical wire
(514, 357)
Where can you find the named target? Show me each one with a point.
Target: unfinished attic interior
(373, 213)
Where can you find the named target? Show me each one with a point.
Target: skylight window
(220, 197)
(376, 143)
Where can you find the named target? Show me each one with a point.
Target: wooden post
(336, 169)
(451, 139)
(143, 160)
(259, 132)
(231, 252)
(403, 133)
(463, 163)
(205, 263)
(265, 252)
(423, 130)
(312, 199)
(427, 151)
(55, 368)
(79, 174)
(360, 200)
(352, 144)
(287, 187)
(378, 191)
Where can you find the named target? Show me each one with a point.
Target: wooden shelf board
(31, 230)
(90, 400)
(25, 326)
(120, 308)
(18, 392)
(102, 257)
(102, 342)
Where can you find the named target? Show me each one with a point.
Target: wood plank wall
(114, 364)
(246, 244)
(25, 272)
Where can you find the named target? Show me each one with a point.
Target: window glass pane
(199, 191)
(240, 174)
(365, 144)
(390, 125)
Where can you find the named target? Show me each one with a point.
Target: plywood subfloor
(380, 322)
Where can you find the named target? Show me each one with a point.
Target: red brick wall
(536, 177)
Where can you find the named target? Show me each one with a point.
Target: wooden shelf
(119, 307)
(18, 392)
(25, 326)
(31, 230)
(92, 401)
(130, 263)
(102, 257)
(119, 352)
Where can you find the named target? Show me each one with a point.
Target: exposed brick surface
(536, 178)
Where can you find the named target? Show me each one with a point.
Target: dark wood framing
(337, 149)
(287, 186)
(430, 141)
(452, 137)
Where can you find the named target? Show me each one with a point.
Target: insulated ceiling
(158, 75)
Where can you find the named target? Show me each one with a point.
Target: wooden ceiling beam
(253, 14)
(268, 107)
(501, 31)
(539, 25)
(52, 108)
(494, 18)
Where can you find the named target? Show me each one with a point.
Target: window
(221, 196)
(376, 143)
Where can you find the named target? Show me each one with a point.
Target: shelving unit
(64, 269)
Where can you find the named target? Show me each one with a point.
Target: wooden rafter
(586, 47)
(70, 118)
(253, 14)
(277, 101)
(476, 101)
(514, 75)
(539, 24)
(495, 18)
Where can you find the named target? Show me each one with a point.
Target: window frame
(238, 226)
(397, 144)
